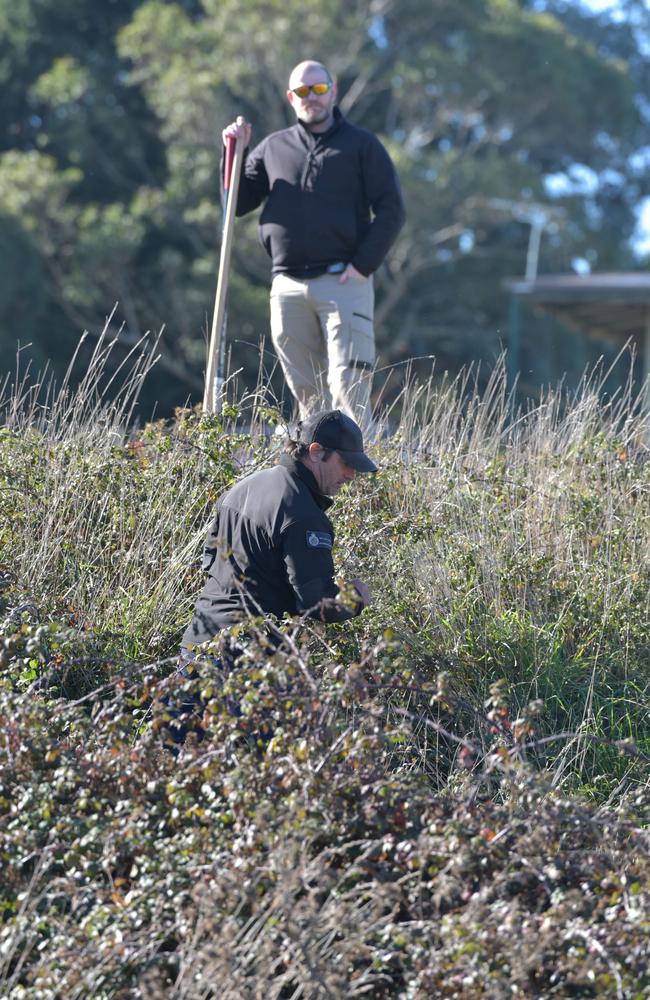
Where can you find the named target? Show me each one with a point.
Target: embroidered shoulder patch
(319, 540)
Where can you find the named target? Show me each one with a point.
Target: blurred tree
(489, 108)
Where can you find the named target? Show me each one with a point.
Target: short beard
(309, 118)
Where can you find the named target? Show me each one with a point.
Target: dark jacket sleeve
(311, 574)
(253, 183)
(385, 199)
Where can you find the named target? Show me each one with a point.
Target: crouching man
(269, 548)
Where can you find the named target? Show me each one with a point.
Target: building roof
(613, 306)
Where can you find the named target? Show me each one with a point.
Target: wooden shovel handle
(212, 395)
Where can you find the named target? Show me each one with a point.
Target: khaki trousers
(323, 335)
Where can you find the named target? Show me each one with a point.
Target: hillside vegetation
(447, 797)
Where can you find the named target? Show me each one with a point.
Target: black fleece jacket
(269, 551)
(329, 197)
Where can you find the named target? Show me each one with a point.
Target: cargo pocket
(209, 556)
(362, 341)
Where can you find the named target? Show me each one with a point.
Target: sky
(641, 241)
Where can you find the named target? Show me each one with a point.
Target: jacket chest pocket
(332, 168)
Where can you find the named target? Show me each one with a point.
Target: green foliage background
(109, 139)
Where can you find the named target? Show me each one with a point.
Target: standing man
(332, 210)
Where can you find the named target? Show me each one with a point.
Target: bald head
(314, 110)
(309, 67)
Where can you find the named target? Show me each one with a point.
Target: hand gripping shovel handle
(214, 378)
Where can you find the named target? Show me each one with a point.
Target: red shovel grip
(231, 142)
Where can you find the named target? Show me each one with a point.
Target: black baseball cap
(338, 432)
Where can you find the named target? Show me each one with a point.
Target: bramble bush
(447, 796)
(298, 849)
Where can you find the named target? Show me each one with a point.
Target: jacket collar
(299, 469)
